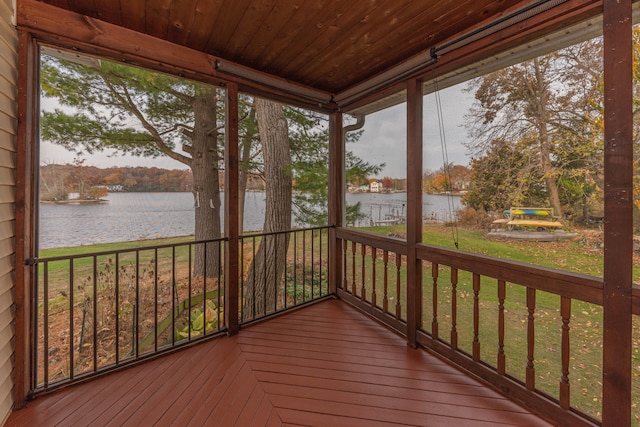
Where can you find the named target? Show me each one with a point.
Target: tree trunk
(245, 164)
(544, 142)
(206, 183)
(269, 263)
(585, 210)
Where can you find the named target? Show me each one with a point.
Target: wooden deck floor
(326, 364)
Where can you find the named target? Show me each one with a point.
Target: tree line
(536, 133)
(57, 181)
(91, 182)
(124, 109)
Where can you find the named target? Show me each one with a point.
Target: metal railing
(282, 270)
(98, 311)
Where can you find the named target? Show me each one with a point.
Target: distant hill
(56, 181)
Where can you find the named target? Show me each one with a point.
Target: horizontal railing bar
(121, 251)
(392, 244)
(573, 285)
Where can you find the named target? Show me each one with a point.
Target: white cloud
(383, 140)
(384, 137)
(55, 154)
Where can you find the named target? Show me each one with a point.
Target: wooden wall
(8, 114)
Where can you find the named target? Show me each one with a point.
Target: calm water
(137, 216)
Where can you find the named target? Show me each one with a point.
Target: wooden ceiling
(326, 44)
(332, 48)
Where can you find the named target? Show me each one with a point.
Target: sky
(383, 140)
(384, 137)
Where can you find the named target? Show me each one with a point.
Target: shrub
(471, 218)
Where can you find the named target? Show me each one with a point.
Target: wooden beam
(618, 212)
(414, 208)
(336, 197)
(231, 211)
(81, 33)
(26, 170)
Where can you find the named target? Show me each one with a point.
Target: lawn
(583, 254)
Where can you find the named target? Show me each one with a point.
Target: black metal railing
(282, 270)
(99, 311)
(102, 310)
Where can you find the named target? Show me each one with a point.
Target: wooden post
(231, 217)
(618, 226)
(414, 208)
(26, 173)
(336, 198)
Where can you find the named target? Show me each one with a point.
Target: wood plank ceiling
(326, 44)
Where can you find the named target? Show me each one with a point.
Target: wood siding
(8, 113)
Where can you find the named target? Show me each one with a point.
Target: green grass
(58, 271)
(108, 247)
(582, 255)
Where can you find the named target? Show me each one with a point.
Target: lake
(139, 216)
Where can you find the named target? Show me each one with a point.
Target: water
(381, 206)
(139, 216)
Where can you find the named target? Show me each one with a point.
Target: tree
(141, 113)
(269, 263)
(84, 181)
(516, 103)
(52, 183)
(549, 102)
(507, 175)
(387, 183)
(310, 169)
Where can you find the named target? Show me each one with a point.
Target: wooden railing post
(565, 314)
(231, 206)
(414, 208)
(618, 212)
(26, 214)
(336, 199)
(501, 355)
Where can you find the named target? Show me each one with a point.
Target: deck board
(326, 364)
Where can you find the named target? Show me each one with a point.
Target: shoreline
(73, 201)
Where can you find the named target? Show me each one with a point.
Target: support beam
(336, 198)
(84, 34)
(26, 184)
(231, 214)
(618, 213)
(414, 208)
